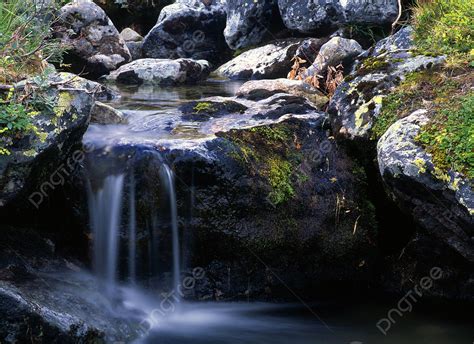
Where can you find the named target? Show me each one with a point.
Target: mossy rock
(205, 110)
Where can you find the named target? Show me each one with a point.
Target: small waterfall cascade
(135, 228)
(105, 213)
(132, 233)
(168, 179)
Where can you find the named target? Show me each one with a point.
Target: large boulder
(442, 203)
(189, 29)
(271, 61)
(95, 45)
(358, 101)
(250, 22)
(161, 72)
(31, 168)
(322, 17)
(256, 181)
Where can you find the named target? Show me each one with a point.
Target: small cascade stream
(138, 243)
(118, 237)
(105, 212)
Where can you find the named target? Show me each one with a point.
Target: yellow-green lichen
(204, 107)
(421, 164)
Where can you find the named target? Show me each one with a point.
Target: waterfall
(132, 232)
(168, 181)
(125, 240)
(105, 206)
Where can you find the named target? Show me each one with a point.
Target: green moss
(449, 136)
(270, 152)
(373, 64)
(418, 88)
(279, 176)
(204, 107)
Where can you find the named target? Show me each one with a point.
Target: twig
(400, 12)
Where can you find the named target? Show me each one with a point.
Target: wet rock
(337, 51)
(261, 89)
(250, 22)
(29, 170)
(441, 203)
(189, 29)
(359, 99)
(204, 110)
(279, 190)
(322, 17)
(105, 114)
(161, 72)
(129, 35)
(43, 297)
(96, 47)
(267, 62)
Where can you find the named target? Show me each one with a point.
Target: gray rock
(337, 51)
(106, 114)
(95, 44)
(250, 22)
(261, 89)
(129, 35)
(267, 62)
(189, 29)
(136, 50)
(316, 17)
(358, 100)
(442, 204)
(29, 170)
(161, 72)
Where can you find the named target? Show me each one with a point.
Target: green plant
(25, 39)
(445, 27)
(449, 136)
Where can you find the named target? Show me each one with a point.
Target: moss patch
(431, 89)
(204, 107)
(271, 152)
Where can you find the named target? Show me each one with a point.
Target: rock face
(337, 51)
(266, 181)
(161, 72)
(250, 22)
(96, 46)
(134, 43)
(359, 100)
(317, 17)
(441, 203)
(261, 89)
(269, 61)
(189, 29)
(31, 169)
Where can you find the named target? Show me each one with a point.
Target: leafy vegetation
(445, 27)
(449, 137)
(26, 47)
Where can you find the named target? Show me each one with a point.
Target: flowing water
(151, 248)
